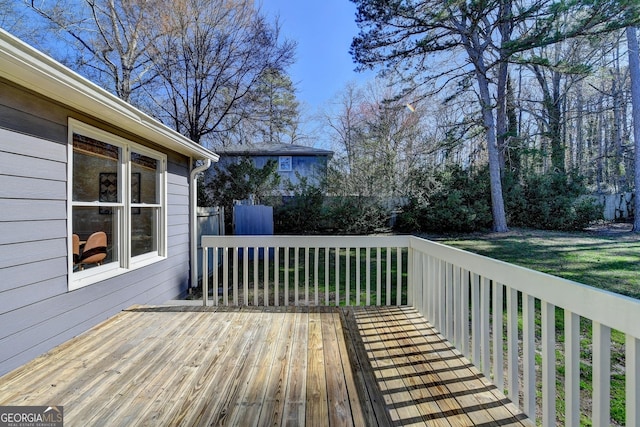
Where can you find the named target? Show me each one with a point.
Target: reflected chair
(76, 249)
(95, 250)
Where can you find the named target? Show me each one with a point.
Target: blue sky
(324, 30)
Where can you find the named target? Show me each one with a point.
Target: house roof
(32, 69)
(273, 150)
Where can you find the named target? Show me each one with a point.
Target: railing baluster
(205, 274)
(440, 289)
(512, 346)
(225, 277)
(337, 271)
(448, 298)
(378, 277)
(245, 275)
(399, 277)
(306, 276)
(457, 308)
(256, 259)
(572, 368)
(475, 319)
(485, 288)
(347, 275)
(548, 317)
(368, 277)
(216, 280)
(316, 260)
(388, 299)
(276, 276)
(265, 274)
(632, 360)
(326, 275)
(498, 331)
(465, 312)
(296, 275)
(427, 270)
(528, 354)
(358, 276)
(286, 276)
(601, 374)
(235, 276)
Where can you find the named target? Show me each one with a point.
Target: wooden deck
(193, 366)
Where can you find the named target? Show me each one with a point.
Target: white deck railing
(499, 315)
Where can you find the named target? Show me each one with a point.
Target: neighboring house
(294, 161)
(74, 161)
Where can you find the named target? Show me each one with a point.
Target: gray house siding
(37, 312)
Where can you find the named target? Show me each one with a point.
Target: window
(118, 210)
(284, 164)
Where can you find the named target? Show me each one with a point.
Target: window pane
(144, 179)
(95, 170)
(94, 251)
(144, 230)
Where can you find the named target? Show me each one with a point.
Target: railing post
(205, 275)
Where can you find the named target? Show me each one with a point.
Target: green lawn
(608, 261)
(603, 259)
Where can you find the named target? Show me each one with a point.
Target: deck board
(297, 366)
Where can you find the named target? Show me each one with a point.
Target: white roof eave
(32, 69)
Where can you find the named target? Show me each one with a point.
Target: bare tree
(113, 39)
(212, 55)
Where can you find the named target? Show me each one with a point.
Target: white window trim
(126, 263)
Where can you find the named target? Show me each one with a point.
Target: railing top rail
(608, 308)
(306, 241)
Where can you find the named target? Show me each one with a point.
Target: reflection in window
(97, 201)
(117, 206)
(145, 204)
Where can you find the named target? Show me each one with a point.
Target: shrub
(301, 213)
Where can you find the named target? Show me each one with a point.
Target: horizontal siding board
(32, 210)
(23, 275)
(32, 147)
(177, 219)
(32, 125)
(109, 296)
(32, 114)
(36, 291)
(30, 167)
(176, 230)
(32, 252)
(32, 231)
(13, 187)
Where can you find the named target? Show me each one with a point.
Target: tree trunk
(634, 69)
(497, 201)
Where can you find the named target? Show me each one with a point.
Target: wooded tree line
(516, 89)
(523, 87)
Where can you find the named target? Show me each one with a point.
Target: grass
(605, 260)
(326, 276)
(609, 261)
